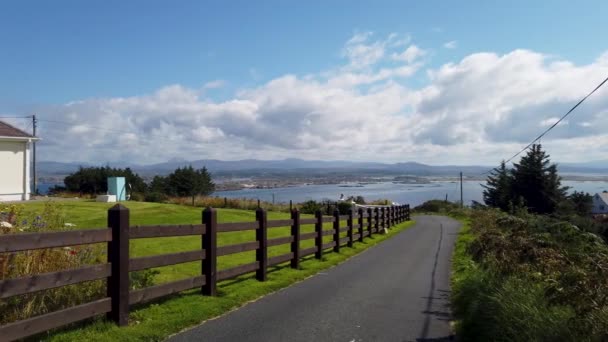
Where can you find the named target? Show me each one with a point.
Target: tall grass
(529, 278)
(13, 265)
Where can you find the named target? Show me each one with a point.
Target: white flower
(69, 225)
(4, 224)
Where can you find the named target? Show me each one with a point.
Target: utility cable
(554, 124)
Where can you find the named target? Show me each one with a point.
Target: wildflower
(67, 224)
(73, 252)
(5, 224)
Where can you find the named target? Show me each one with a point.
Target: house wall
(14, 167)
(599, 206)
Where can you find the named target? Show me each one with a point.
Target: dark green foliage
(310, 207)
(535, 180)
(582, 203)
(188, 181)
(94, 180)
(157, 197)
(532, 183)
(159, 184)
(359, 200)
(436, 206)
(497, 191)
(344, 207)
(183, 182)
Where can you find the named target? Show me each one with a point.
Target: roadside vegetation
(151, 321)
(531, 264)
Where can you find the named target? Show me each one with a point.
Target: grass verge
(511, 300)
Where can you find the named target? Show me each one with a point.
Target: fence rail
(357, 225)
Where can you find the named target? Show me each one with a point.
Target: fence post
(360, 224)
(386, 217)
(209, 264)
(118, 256)
(351, 218)
(319, 231)
(337, 230)
(295, 244)
(377, 225)
(407, 209)
(261, 235)
(369, 220)
(391, 215)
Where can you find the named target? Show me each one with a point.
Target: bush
(344, 207)
(531, 277)
(310, 207)
(436, 206)
(142, 279)
(157, 197)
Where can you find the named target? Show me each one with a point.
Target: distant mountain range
(241, 167)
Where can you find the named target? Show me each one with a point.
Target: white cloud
(478, 110)
(551, 121)
(451, 44)
(410, 54)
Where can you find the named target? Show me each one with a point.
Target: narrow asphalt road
(395, 291)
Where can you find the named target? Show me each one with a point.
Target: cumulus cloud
(476, 110)
(410, 54)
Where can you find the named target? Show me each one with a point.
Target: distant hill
(49, 168)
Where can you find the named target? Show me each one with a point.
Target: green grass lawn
(156, 322)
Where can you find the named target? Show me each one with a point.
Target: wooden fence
(359, 224)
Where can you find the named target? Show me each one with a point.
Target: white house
(600, 203)
(14, 163)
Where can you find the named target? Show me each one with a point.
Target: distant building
(600, 203)
(15, 146)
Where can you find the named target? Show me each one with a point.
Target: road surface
(395, 291)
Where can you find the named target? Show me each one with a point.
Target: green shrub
(530, 278)
(157, 197)
(138, 196)
(436, 206)
(310, 207)
(142, 279)
(344, 207)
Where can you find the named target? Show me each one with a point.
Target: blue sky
(58, 51)
(55, 53)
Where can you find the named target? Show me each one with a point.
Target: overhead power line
(16, 117)
(554, 125)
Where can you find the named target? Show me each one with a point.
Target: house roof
(8, 131)
(603, 196)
